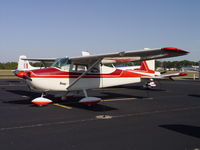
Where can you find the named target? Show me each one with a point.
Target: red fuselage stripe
(55, 73)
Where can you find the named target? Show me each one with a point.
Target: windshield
(61, 63)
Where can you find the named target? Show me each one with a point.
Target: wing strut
(98, 61)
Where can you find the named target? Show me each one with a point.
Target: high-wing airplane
(72, 74)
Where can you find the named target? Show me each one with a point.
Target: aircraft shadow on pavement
(30, 95)
(194, 95)
(108, 95)
(25, 93)
(96, 107)
(193, 131)
(111, 95)
(69, 102)
(145, 89)
(73, 102)
(139, 87)
(22, 102)
(17, 81)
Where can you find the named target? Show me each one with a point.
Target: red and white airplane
(68, 75)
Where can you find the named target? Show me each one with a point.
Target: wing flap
(167, 76)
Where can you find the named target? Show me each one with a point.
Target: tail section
(24, 65)
(85, 53)
(148, 66)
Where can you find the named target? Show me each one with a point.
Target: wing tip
(183, 74)
(174, 49)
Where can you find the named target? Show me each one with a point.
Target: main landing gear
(149, 85)
(89, 100)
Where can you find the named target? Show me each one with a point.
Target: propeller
(23, 74)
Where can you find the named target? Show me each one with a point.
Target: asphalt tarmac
(165, 118)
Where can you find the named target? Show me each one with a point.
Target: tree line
(8, 65)
(164, 64)
(176, 64)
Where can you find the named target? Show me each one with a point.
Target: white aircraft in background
(68, 75)
(24, 65)
(150, 65)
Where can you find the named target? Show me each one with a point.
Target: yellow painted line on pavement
(121, 99)
(103, 100)
(63, 106)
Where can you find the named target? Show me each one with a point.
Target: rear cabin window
(79, 68)
(83, 68)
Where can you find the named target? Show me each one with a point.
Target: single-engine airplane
(70, 74)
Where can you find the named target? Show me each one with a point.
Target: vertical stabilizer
(24, 65)
(151, 64)
(148, 66)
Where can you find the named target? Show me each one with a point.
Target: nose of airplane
(21, 74)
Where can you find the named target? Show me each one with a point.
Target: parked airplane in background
(24, 65)
(68, 75)
(150, 65)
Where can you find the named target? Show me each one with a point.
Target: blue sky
(58, 28)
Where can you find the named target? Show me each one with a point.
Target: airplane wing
(138, 55)
(123, 56)
(40, 59)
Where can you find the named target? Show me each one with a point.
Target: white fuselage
(108, 77)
